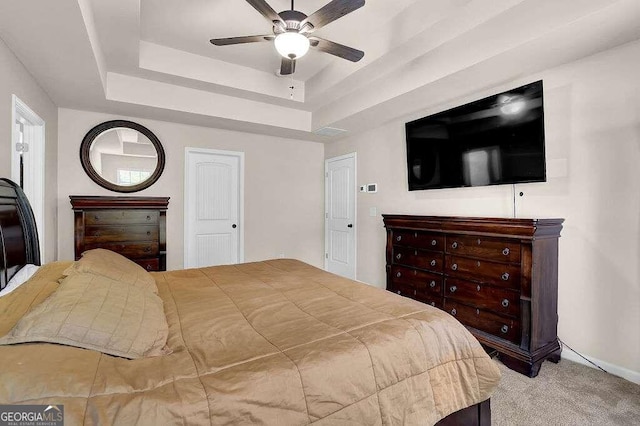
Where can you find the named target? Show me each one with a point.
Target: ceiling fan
(292, 31)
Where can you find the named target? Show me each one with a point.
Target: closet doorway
(213, 207)
(340, 215)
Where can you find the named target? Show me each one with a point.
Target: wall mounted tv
(492, 141)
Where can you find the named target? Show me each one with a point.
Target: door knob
(350, 225)
(234, 226)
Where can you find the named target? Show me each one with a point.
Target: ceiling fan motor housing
(292, 18)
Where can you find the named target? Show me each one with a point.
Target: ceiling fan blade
(266, 10)
(332, 11)
(241, 40)
(288, 66)
(336, 49)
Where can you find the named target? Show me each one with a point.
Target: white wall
(592, 119)
(15, 79)
(283, 186)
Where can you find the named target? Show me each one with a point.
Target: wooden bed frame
(18, 233)
(19, 246)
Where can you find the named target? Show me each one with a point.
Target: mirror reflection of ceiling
(123, 156)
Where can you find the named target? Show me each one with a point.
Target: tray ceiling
(152, 58)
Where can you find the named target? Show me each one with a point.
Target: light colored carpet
(565, 394)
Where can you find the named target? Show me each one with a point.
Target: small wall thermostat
(370, 187)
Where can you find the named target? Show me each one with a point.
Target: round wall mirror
(122, 156)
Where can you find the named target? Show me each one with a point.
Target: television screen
(492, 141)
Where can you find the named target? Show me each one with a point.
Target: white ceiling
(152, 58)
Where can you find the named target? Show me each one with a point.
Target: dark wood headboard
(18, 233)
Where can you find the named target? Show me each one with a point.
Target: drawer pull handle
(432, 284)
(434, 242)
(96, 218)
(433, 303)
(433, 263)
(505, 303)
(415, 292)
(505, 276)
(399, 238)
(147, 249)
(454, 245)
(453, 289)
(148, 232)
(398, 291)
(399, 274)
(148, 217)
(504, 329)
(506, 251)
(399, 256)
(454, 312)
(454, 266)
(98, 234)
(148, 267)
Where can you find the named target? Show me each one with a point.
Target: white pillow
(19, 278)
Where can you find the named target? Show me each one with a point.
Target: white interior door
(27, 161)
(213, 208)
(340, 215)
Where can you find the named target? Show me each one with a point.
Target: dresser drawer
(406, 290)
(418, 239)
(149, 264)
(112, 233)
(120, 217)
(495, 299)
(133, 250)
(500, 274)
(503, 327)
(483, 247)
(421, 280)
(430, 300)
(422, 259)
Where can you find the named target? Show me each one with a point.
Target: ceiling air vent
(330, 131)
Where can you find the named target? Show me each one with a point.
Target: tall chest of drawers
(498, 277)
(135, 227)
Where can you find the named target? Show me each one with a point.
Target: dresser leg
(555, 356)
(529, 369)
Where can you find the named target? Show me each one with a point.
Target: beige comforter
(276, 342)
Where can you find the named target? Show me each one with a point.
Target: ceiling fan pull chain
(292, 87)
(292, 5)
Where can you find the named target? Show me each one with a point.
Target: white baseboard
(616, 370)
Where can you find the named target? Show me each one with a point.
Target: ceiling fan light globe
(292, 45)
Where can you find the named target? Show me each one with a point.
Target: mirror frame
(85, 148)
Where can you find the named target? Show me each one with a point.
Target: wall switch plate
(372, 188)
(363, 188)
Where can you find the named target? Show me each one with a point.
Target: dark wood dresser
(499, 277)
(135, 227)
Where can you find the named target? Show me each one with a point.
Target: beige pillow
(115, 266)
(95, 312)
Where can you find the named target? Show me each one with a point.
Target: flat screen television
(492, 141)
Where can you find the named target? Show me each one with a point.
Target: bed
(274, 342)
